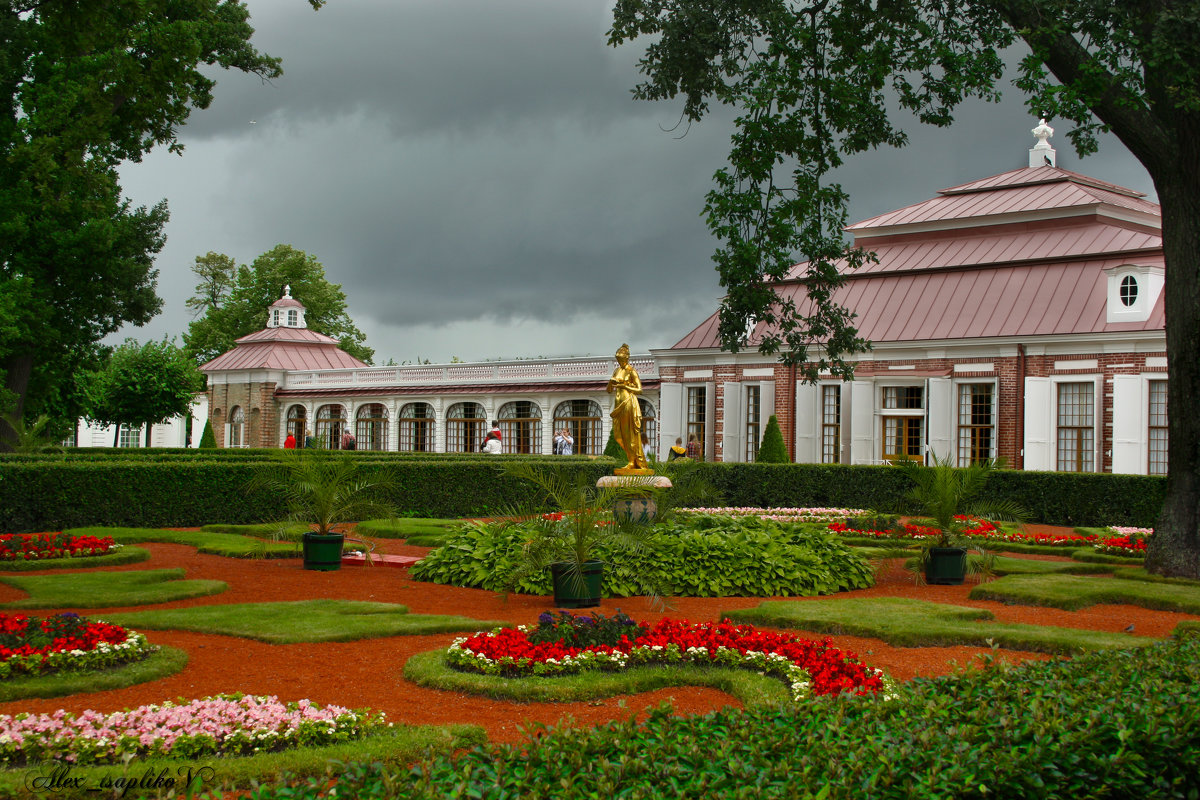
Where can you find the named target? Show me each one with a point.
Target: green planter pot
(577, 589)
(323, 551)
(947, 566)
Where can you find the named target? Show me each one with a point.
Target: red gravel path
(369, 673)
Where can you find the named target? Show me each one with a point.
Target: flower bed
(781, 514)
(30, 645)
(223, 725)
(808, 667)
(974, 528)
(37, 546)
(1125, 541)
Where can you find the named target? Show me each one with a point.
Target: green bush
(726, 557)
(772, 450)
(208, 441)
(614, 450)
(187, 487)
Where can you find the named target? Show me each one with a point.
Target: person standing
(677, 449)
(290, 442)
(694, 451)
(564, 445)
(309, 441)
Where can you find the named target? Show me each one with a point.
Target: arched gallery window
(465, 428)
(649, 423)
(237, 427)
(297, 423)
(331, 421)
(372, 427)
(521, 427)
(582, 419)
(416, 428)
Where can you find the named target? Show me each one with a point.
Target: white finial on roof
(287, 287)
(1042, 154)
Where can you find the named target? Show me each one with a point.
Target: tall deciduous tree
(141, 385)
(255, 288)
(86, 86)
(816, 81)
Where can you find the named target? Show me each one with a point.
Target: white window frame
(995, 383)
(1097, 381)
(881, 387)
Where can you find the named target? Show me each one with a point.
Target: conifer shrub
(614, 450)
(207, 439)
(772, 450)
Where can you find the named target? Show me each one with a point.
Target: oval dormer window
(1129, 290)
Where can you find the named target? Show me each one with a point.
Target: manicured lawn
(167, 661)
(1073, 593)
(1004, 565)
(301, 621)
(429, 669)
(108, 589)
(917, 623)
(219, 544)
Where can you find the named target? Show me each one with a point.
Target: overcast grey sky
(477, 177)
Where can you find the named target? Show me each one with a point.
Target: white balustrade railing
(548, 370)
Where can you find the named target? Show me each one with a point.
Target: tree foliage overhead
(252, 290)
(86, 86)
(816, 81)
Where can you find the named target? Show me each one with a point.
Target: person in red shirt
(290, 442)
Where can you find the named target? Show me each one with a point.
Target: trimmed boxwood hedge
(161, 488)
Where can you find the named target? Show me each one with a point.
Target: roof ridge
(1046, 175)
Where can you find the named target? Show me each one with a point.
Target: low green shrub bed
(1073, 592)
(732, 557)
(1122, 723)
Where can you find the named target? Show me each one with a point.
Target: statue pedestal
(635, 508)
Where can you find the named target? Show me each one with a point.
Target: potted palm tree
(323, 492)
(943, 493)
(569, 541)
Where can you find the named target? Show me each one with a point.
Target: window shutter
(710, 422)
(766, 405)
(733, 422)
(862, 421)
(670, 415)
(808, 422)
(1038, 423)
(1129, 431)
(940, 418)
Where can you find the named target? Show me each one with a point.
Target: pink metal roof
(298, 335)
(287, 301)
(994, 279)
(1023, 190)
(283, 355)
(1064, 239)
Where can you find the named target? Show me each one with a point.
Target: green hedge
(193, 492)
(160, 488)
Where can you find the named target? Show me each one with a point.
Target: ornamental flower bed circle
(222, 725)
(808, 667)
(38, 546)
(31, 645)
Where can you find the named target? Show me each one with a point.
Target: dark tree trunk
(117, 436)
(1175, 548)
(17, 371)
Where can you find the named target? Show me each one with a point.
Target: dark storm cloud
(478, 178)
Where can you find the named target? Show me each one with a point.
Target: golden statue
(626, 415)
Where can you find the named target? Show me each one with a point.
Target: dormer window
(275, 318)
(293, 316)
(1128, 291)
(1133, 289)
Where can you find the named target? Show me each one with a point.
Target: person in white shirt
(564, 445)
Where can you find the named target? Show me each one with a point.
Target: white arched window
(416, 428)
(465, 428)
(521, 427)
(237, 428)
(371, 427)
(297, 423)
(649, 423)
(582, 419)
(331, 422)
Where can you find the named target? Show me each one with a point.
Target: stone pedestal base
(640, 509)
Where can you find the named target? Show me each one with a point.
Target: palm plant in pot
(944, 494)
(323, 492)
(569, 542)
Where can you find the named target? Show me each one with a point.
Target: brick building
(1016, 316)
